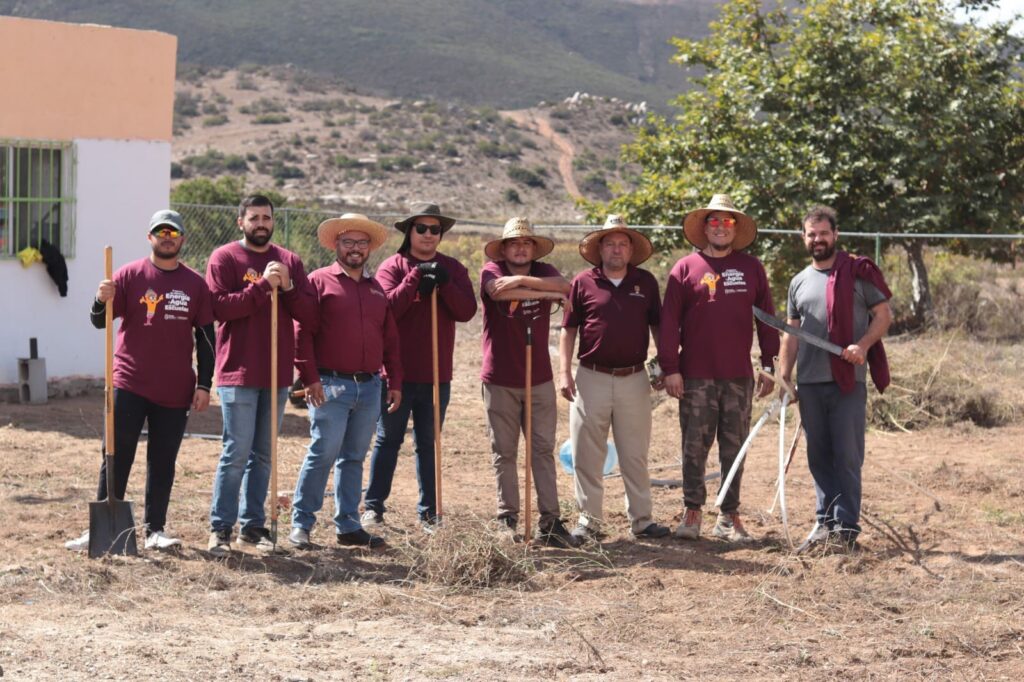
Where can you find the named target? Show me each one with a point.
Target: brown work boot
(729, 527)
(689, 529)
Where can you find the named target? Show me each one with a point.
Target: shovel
(437, 408)
(273, 418)
(528, 430)
(111, 524)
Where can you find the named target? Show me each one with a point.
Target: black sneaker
(359, 538)
(653, 530)
(554, 534)
(220, 543)
(257, 536)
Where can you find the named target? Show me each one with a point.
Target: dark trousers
(834, 424)
(166, 428)
(418, 402)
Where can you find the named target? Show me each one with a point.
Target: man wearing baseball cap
(517, 290)
(166, 312)
(614, 308)
(339, 356)
(707, 329)
(409, 278)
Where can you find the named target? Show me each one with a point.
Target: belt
(358, 377)
(614, 371)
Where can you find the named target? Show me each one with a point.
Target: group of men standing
(362, 346)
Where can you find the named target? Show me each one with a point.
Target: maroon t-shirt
(456, 302)
(504, 333)
(159, 311)
(241, 303)
(353, 330)
(614, 320)
(707, 311)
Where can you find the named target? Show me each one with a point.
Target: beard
(353, 259)
(166, 249)
(820, 252)
(259, 237)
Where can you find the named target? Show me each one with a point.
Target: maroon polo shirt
(353, 330)
(159, 309)
(504, 332)
(707, 312)
(456, 302)
(614, 320)
(241, 303)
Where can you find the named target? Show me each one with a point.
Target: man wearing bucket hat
(517, 290)
(614, 309)
(241, 275)
(165, 312)
(339, 357)
(409, 278)
(704, 345)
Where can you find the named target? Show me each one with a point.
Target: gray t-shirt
(807, 303)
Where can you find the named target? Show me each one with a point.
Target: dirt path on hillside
(567, 152)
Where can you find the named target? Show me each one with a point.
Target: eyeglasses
(727, 223)
(356, 243)
(167, 233)
(421, 228)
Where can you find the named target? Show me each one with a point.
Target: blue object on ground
(565, 457)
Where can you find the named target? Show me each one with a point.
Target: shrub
(215, 120)
(396, 163)
(186, 104)
(495, 150)
(511, 196)
(271, 119)
(525, 176)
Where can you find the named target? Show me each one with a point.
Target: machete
(773, 321)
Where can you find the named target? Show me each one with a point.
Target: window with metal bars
(37, 195)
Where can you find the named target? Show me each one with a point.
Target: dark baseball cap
(169, 218)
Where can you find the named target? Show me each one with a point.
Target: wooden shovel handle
(273, 405)
(437, 405)
(108, 373)
(528, 450)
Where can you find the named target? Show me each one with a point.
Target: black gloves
(431, 275)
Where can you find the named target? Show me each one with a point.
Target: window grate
(37, 195)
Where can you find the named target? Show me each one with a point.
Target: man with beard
(843, 298)
(409, 278)
(340, 354)
(241, 275)
(165, 312)
(707, 329)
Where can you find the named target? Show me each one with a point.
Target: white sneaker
(372, 521)
(160, 540)
(80, 544)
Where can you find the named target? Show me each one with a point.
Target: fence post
(287, 230)
(878, 248)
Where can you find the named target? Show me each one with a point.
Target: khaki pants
(624, 405)
(506, 418)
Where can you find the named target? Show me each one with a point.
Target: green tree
(226, 190)
(891, 111)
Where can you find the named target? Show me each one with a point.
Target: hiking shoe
(430, 524)
(299, 537)
(653, 530)
(584, 534)
(258, 536)
(371, 520)
(554, 534)
(359, 538)
(689, 529)
(161, 540)
(730, 527)
(507, 529)
(79, 544)
(220, 543)
(819, 535)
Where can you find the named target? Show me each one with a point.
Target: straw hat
(331, 229)
(590, 245)
(693, 223)
(515, 228)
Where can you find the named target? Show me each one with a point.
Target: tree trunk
(921, 297)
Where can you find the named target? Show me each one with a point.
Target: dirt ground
(937, 590)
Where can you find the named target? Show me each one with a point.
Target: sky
(1006, 10)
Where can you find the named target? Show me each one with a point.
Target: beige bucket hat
(693, 223)
(515, 228)
(331, 229)
(590, 245)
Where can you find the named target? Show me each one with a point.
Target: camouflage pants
(711, 408)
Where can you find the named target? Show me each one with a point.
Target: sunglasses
(728, 223)
(421, 228)
(167, 233)
(357, 243)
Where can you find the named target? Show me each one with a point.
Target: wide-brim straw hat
(693, 223)
(423, 209)
(331, 229)
(515, 228)
(590, 245)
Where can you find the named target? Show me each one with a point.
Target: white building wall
(120, 184)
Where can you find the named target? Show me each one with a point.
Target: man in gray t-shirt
(833, 409)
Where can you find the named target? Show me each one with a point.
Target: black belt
(358, 377)
(614, 371)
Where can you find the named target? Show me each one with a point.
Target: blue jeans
(340, 432)
(245, 460)
(418, 401)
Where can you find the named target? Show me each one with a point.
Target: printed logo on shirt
(376, 292)
(252, 276)
(150, 300)
(710, 280)
(636, 291)
(177, 302)
(735, 282)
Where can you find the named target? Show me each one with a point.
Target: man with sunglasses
(704, 341)
(166, 312)
(409, 277)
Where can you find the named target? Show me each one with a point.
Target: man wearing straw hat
(704, 345)
(614, 309)
(241, 275)
(409, 278)
(517, 290)
(339, 357)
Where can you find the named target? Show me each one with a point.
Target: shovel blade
(111, 529)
